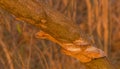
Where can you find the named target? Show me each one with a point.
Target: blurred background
(19, 49)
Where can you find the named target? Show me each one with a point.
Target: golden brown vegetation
(19, 49)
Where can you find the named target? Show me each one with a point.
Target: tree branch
(59, 29)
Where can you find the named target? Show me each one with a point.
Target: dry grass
(19, 49)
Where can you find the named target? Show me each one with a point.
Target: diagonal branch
(59, 29)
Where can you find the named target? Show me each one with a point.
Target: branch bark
(59, 29)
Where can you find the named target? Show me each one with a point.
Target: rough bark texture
(101, 63)
(52, 22)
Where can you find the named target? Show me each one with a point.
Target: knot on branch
(79, 49)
